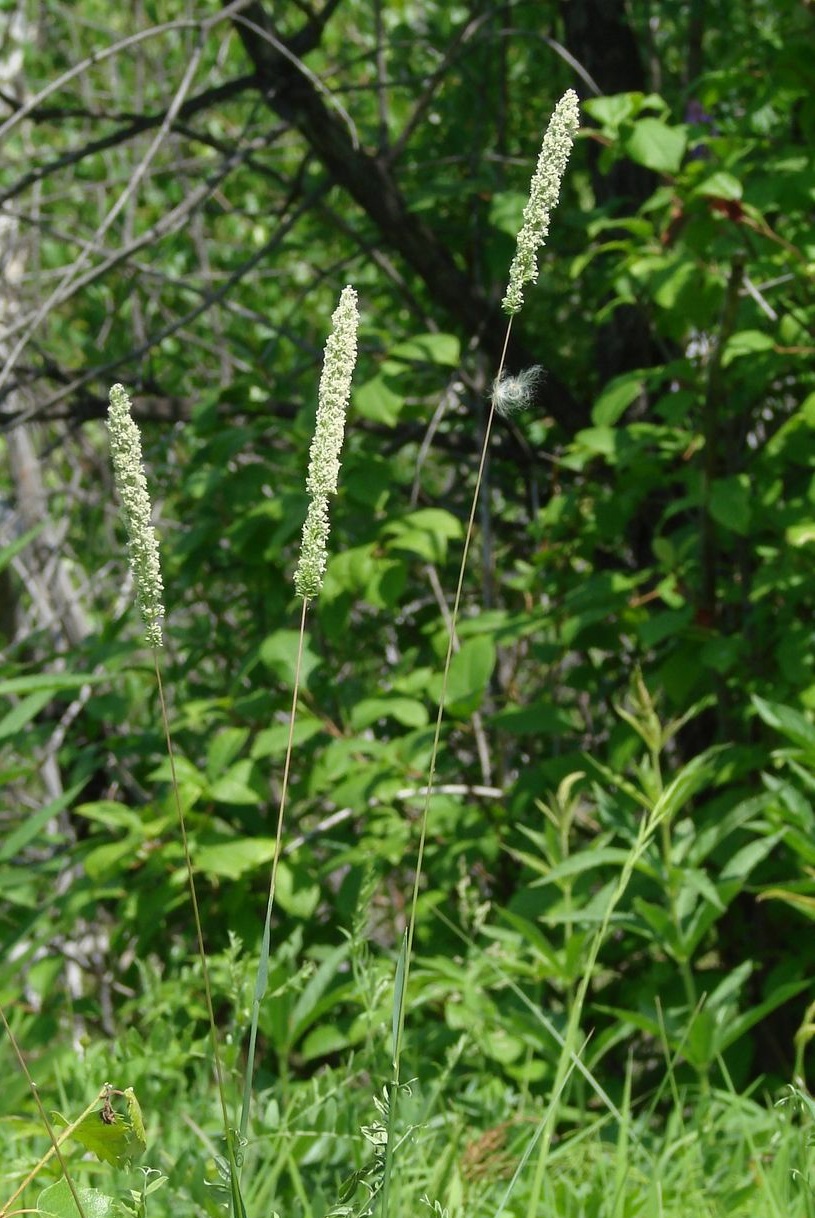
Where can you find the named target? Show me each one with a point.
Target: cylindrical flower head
(544, 193)
(128, 471)
(324, 455)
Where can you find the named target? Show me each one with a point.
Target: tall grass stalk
(323, 472)
(128, 470)
(543, 198)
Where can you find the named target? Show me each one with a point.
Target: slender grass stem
(262, 977)
(199, 932)
(56, 1142)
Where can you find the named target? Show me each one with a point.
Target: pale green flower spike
(543, 196)
(324, 454)
(125, 450)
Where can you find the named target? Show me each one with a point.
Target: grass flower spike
(324, 455)
(125, 448)
(543, 197)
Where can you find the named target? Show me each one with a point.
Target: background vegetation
(184, 191)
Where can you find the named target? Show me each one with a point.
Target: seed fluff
(511, 394)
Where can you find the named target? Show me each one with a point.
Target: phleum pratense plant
(128, 472)
(544, 193)
(324, 454)
(508, 395)
(333, 396)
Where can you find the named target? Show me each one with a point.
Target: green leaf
(19, 544)
(230, 858)
(375, 400)
(734, 1028)
(57, 1201)
(592, 441)
(424, 533)
(470, 671)
(223, 747)
(657, 146)
(33, 824)
(398, 999)
(730, 503)
(295, 893)
(136, 1119)
(435, 348)
(117, 1143)
(739, 865)
(234, 787)
(278, 651)
(699, 882)
(789, 722)
(616, 397)
(590, 860)
(53, 681)
(745, 343)
(26, 709)
(719, 185)
(408, 711)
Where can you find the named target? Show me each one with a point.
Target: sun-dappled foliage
(622, 810)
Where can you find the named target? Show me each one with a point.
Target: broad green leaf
(745, 343)
(278, 652)
(57, 1201)
(507, 210)
(730, 503)
(616, 397)
(801, 534)
(408, 711)
(233, 857)
(375, 400)
(435, 348)
(295, 894)
(223, 747)
(720, 185)
(106, 861)
(234, 787)
(320, 993)
(117, 1143)
(594, 441)
(657, 146)
(425, 533)
(470, 671)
